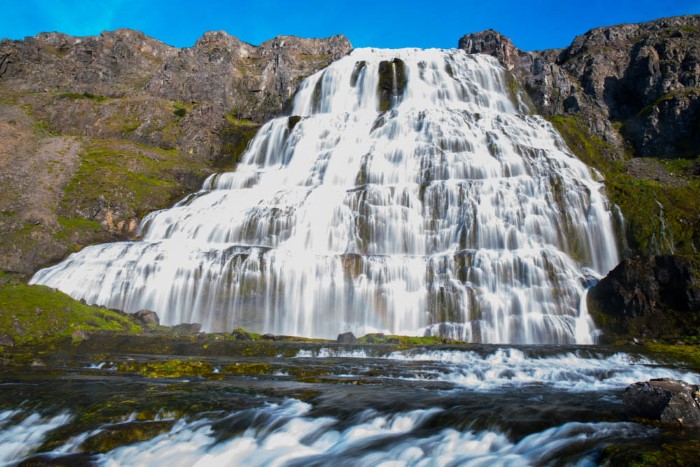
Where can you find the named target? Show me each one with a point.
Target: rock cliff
(98, 131)
(631, 83)
(648, 297)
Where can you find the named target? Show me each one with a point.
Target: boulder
(346, 338)
(669, 401)
(79, 335)
(7, 340)
(147, 317)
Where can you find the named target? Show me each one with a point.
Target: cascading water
(410, 196)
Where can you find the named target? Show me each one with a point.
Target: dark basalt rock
(346, 338)
(644, 76)
(668, 401)
(648, 297)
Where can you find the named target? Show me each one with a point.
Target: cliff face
(98, 131)
(138, 80)
(633, 83)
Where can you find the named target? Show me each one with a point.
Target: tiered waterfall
(409, 193)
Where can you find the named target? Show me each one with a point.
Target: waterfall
(407, 194)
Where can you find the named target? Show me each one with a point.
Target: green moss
(688, 354)
(35, 313)
(167, 368)
(124, 434)
(85, 95)
(409, 341)
(235, 135)
(659, 218)
(126, 178)
(673, 454)
(70, 227)
(255, 368)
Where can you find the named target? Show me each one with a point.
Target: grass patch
(34, 313)
(687, 354)
(77, 225)
(409, 341)
(658, 218)
(84, 95)
(128, 179)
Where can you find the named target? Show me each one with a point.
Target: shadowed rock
(669, 401)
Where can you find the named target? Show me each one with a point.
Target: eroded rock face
(122, 107)
(648, 297)
(129, 78)
(669, 401)
(642, 78)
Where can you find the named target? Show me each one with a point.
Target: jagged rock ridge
(98, 131)
(640, 79)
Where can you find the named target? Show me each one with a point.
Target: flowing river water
(410, 193)
(329, 404)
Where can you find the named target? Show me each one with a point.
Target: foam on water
(374, 439)
(509, 367)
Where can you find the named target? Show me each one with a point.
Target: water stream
(410, 195)
(324, 404)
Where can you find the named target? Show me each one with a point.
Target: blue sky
(429, 23)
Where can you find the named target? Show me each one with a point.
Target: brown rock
(147, 317)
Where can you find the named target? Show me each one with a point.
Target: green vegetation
(235, 135)
(33, 313)
(673, 454)
(180, 109)
(405, 341)
(167, 369)
(75, 227)
(85, 95)
(123, 434)
(659, 218)
(689, 354)
(127, 179)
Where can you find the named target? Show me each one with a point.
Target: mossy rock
(123, 434)
(167, 369)
(392, 83)
(254, 368)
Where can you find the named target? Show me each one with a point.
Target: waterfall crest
(407, 194)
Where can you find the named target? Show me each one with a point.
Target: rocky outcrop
(647, 297)
(98, 131)
(671, 402)
(125, 84)
(641, 78)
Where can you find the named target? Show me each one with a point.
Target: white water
(298, 440)
(513, 368)
(286, 434)
(19, 439)
(451, 213)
